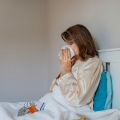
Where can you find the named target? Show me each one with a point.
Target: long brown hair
(83, 38)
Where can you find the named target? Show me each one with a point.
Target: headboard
(111, 62)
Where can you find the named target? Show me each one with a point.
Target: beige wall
(101, 17)
(23, 50)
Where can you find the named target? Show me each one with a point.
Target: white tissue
(71, 51)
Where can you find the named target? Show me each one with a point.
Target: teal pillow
(108, 104)
(103, 95)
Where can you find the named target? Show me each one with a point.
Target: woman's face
(74, 47)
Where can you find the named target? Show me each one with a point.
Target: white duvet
(56, 108)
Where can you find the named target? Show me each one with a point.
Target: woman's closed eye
(69, 43)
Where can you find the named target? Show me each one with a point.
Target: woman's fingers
(62, 54)
(65, 60)
(65, 54)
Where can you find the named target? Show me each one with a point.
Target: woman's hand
(65, 61)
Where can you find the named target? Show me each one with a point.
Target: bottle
(31, 107)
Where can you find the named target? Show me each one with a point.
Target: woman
(73, 90)
(83, 78)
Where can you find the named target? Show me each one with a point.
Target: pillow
(103, 95)
(108, 104)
